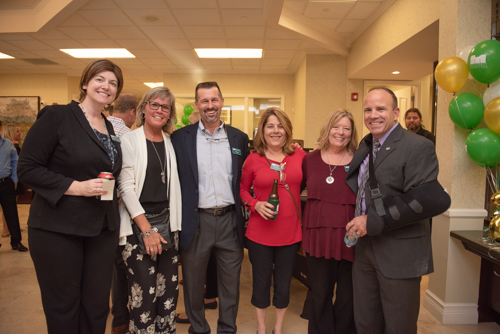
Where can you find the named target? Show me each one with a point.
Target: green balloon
(188, 109)
(178, 126)
(483, 147)
(175, 120)
(185, 119)
(484, 61)
(466, 110)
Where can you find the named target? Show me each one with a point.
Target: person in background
(13, 133)
(210, 155)
(413, 120)
(272, 244)
(124, 113)
(8, 183)
(122, 118)
(330, 206)
(72, 232)
(389, 263)
(210, 297)
(149, 185)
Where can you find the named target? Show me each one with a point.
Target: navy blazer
(184, 142)
(404, 161)
(61, 147)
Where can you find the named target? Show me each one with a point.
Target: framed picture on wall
(226, 114)
(19, 109)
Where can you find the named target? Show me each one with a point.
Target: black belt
(3, 179)
(218, 211)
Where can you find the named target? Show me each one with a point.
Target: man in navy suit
(389, 262)
(210, 156)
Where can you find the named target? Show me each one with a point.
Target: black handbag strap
(374, 187)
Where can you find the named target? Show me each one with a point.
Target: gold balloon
(452, 74)
(495, 198)
(495, 228)
(492, 115)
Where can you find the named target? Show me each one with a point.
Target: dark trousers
(211, 279)
(9, 208)
(270, 262)
(220, 234)
(153, 289)
(327, 317)
(382, 305)
(119, 291)
(74, 274)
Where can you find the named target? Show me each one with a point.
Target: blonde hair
(9, 131)
(334, 118)
(162, 93)
(259, 141)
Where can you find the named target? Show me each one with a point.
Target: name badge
(236, 151)
(275, 167)
(115, 138)
(346, 168)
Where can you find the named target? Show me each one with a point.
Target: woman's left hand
(153, 243)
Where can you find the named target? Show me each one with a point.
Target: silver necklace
(330, 178)
(163, 166)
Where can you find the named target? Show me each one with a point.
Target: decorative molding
(465, 213)
(451, 313)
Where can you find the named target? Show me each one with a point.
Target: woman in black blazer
(72, 233)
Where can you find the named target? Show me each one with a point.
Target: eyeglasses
(155, 105)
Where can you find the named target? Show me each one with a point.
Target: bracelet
(149, 232)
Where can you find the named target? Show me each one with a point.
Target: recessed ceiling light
(152, 18)
(395, 72)
(98, 53)
(229, 53)
(4, 56)
(154, 84)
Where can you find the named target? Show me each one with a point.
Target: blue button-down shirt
(8, 159)
(215, 173)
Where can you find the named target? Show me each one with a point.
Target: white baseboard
(451, 313)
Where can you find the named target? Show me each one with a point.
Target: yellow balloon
(495, 198)
(495, 228)
(492, 115)
(452, 74)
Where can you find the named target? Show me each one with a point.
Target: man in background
(8, 182)
(123, 114)
(413, 120)
(122, 117)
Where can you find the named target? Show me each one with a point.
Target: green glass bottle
(274, 199)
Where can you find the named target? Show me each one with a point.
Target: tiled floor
(21, 310)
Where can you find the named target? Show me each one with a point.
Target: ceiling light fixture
(154, 84)
(4, 56)
(98, 53)
(395, 72)
(229, 53)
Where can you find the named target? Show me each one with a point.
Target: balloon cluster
(467, 110)
(188, 110)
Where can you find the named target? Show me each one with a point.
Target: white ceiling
(163, 33)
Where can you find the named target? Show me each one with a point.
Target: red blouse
(286, 229)
(329, 208)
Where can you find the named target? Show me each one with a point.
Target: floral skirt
(153, 289)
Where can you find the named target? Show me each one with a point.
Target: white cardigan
(132, 176)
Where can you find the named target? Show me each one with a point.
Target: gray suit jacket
(405, 161)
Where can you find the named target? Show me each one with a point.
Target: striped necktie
(364, 179)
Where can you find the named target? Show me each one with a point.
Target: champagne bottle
(274, 199)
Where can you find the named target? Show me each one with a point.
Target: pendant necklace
(330, 178)
(96, 132)
(162, 166)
